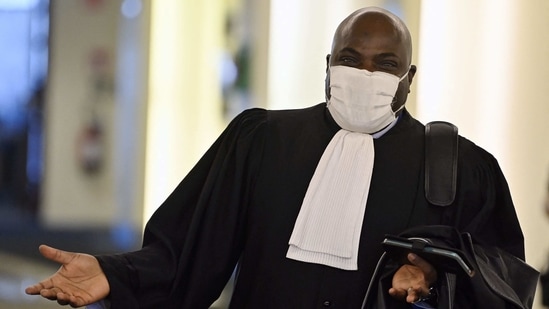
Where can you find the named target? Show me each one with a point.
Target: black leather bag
(501, 280)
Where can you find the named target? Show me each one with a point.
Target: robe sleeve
(194, 240)
(485, 207)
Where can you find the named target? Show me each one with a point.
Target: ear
(411, 73)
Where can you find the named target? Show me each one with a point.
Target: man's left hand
(412, 281)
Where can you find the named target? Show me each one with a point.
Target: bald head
(372, 19)
(374, 39)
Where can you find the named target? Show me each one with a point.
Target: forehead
(370, 31)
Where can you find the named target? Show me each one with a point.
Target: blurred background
(106, 104)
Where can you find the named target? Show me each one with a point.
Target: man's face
(372, 42)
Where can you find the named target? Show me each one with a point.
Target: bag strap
(441, 157)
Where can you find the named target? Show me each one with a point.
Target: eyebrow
(356, 53)
(350, 50)
(387, 55)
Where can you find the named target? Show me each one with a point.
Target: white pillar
(301, 35)
(130, 122)
(184, 112)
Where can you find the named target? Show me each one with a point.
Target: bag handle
(441, 157)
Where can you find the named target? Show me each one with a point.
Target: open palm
(78, 282)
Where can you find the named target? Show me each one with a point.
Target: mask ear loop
(405, 74)
(395, 97)
(398, 110)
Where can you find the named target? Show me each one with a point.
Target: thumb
(419, 262)
(428, 270)
(56, 255)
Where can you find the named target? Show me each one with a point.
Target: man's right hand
(78, 282)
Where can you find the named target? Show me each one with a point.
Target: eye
(389, 64)
(347, 60)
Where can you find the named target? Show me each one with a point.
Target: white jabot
(327, 229)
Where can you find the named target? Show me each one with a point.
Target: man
(281, 194)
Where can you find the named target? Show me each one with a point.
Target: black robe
(239, 204)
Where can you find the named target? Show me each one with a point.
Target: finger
(77, 302)
(50, 294)
(34, 289)
(412, 298)
(412, 295)
(67, 299)
(397, 293)
(419, 262)
(56, 255)
(63, 299)
(37, 288)
(428, 269)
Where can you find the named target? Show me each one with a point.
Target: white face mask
(361, 100)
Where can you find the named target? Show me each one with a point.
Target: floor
(22, 265)
(16, 273)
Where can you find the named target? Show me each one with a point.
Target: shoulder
(285, 115)
(286, 123)
(470, 150)
(472, 158)
(467, 149)
(290, 121)
(298, 114)
(477, 161)
(250, 116)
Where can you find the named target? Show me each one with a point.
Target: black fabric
(240, 202)
(544, 281)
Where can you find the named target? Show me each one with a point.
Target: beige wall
(70, 197)
(113, 196)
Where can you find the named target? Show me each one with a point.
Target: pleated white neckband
(327, 229)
